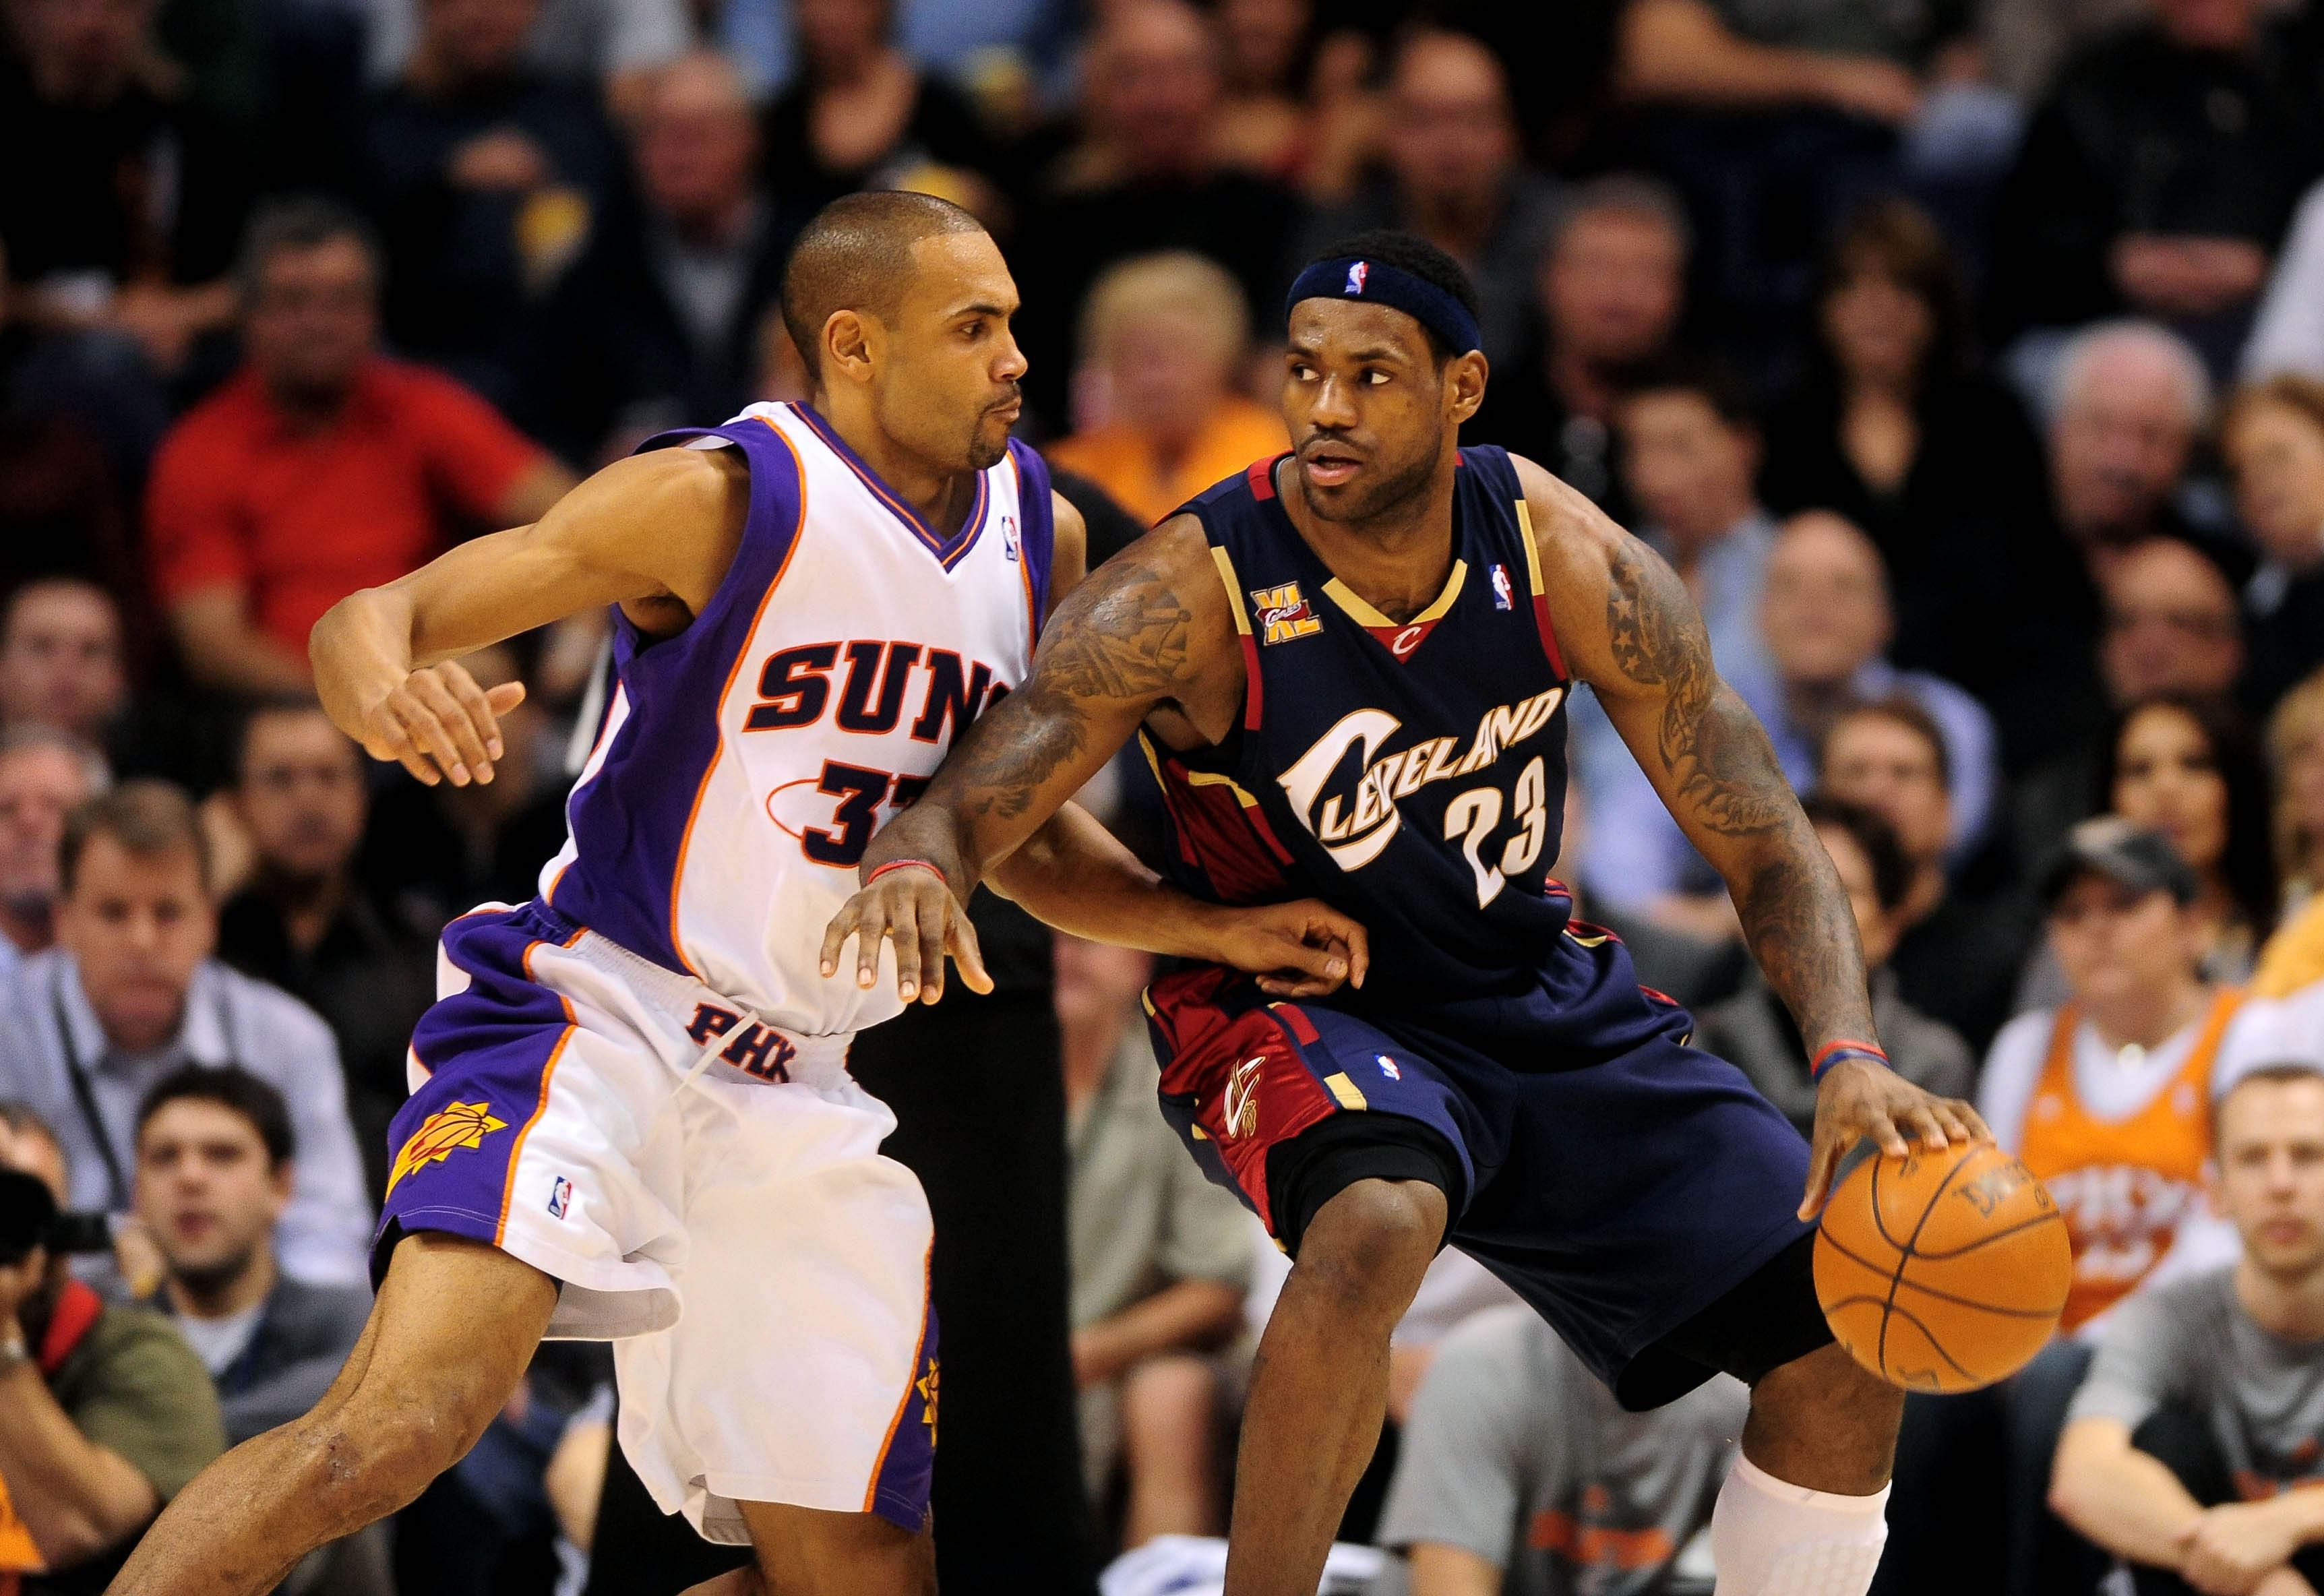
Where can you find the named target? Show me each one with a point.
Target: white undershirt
(217, 1343)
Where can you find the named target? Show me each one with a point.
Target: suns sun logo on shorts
(449, 1130)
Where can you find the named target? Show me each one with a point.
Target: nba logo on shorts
(560, 1197)
(1356, 275)
(1501, 599)
(1388, 1067)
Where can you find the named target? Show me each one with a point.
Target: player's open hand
(910, 905)
(438, 723)
(1306, 949)
(1860, 1098)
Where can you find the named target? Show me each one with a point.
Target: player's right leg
(454, 1325)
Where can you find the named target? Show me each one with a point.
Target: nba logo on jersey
(1283, 613)
(560, 1197)
(1009, 538)
(1501, 591)
(1356, 275)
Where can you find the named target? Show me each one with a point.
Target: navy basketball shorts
(1639, 1193)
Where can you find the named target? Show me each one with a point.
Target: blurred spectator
(1689, 451)
(1826, 622)
(305, 921)
(486, 180)
(1294, 107)
(2128, 400)
(215, 1172)
(322, 466)
(1455, 174)
(125, 225)
(1163, 341)
(2186, 765)
(609, 47)
(129, 994)
(44, 776)
(1731, 55)
(2106, 1099)
(2159, 175)
(1147, 177)
(1612, 292)
(1957, 958)
(1893, 425)
(2170, 625)
(1160, 1261)
(2288, 333)
(2295, 747)
(105, 1415)
(2272, 435)
(657, 324)
(60, 659)
(2188, 1444)
(1756, 1033)
(1518, 1473)
(861, 114)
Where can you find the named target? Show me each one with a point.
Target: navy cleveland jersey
(1412, 775)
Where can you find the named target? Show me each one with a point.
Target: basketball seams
(2054, 1216)
(1904, 1251)
(1943, 1295)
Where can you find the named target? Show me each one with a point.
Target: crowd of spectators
(1965, 357)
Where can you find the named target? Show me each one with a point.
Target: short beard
(983, 455)
(210, 1280)
(1392, 494)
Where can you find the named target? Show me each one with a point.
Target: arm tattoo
(1714, 748)
(1122, 638)
(1794, 914)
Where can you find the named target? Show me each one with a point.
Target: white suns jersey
(745, 763)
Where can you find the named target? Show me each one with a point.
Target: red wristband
(908, 864)
(1843, 1047)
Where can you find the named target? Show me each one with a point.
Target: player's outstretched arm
(1148, 631)
(1628, 627)
(654, 533)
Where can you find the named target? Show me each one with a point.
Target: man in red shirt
(323, 465)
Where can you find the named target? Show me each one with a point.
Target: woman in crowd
(1163, 338)
(2272, 435)
(2186, 767)
(1892, 424)
(2293, 958)
(1295, 107)
(860, 114)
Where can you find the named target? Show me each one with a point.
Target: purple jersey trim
(947, 550)
(631, 821)
(1039, 513)
(899, 1483)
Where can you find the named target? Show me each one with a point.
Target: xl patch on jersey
(1283, 613)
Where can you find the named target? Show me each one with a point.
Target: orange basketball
(1943, 1271)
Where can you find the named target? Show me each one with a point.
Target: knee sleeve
(1772, 1539)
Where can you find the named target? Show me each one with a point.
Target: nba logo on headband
(1356, 275)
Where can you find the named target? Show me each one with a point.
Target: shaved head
(856, 254)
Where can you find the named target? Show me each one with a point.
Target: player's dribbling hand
(438, 723)
(914, 908)
(1306, 949)
(1859, 1098)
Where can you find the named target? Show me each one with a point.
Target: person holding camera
(104, 1414)
(130, 993)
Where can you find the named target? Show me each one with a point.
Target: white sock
(1772, 1539)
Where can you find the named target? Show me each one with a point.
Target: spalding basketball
(1943, 1270)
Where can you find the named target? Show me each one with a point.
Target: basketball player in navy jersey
(632, 1117)
(1349, 668)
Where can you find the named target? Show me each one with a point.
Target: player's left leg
(803, 1552)
(1804, 1513)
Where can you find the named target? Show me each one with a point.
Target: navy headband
(1352, 277)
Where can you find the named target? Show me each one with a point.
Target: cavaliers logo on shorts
(448, 1130)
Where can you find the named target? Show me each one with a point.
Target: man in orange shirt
(323, 465)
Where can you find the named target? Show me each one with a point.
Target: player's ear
(847, 339)
(1464, 383)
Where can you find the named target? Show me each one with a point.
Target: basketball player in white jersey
(632, 1117)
